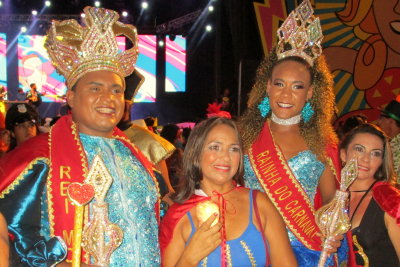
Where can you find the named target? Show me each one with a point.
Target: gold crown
(76, 50)
(300, 34)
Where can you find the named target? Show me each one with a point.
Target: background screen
(34, 66)
(175, 60)
(3, 62)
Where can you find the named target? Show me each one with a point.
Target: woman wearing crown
(288, 135)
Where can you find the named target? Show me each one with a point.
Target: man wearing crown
(121, 221)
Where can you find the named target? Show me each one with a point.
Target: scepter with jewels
(333, 218)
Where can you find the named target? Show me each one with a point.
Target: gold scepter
(80, 195)
(333, 218)
(100, 236)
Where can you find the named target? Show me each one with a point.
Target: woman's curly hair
(318, 132)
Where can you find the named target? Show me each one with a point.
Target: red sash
(68, 164)
(284, 190)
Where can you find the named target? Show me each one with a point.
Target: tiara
(300, 34)
(76, 50)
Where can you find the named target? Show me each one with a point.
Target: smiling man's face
(97, 102)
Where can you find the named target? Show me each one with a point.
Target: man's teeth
(105, 110)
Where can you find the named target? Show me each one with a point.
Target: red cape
(388, 198)
(173, 216)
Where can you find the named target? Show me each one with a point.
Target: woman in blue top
(244, 235)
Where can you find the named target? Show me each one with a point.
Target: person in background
(42, 177)
(33, 96)
(242, 229)
(350, 123)
(151, 123)
(3, 93)
(4, 247)
(227, 102)
(4, 136)
(374, 201)
(290, 144)
(21, 95)
(390, 124)
(5, 140)
(185, 136)
(22, 121)
(3, 97)
(172, 133)
(154, 147)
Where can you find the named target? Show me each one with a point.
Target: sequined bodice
(305, 167)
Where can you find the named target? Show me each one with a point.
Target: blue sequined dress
(307, 170)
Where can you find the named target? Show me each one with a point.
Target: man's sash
(284, 190)
(68, 164)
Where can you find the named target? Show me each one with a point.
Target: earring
(307, 112)
(264, 107)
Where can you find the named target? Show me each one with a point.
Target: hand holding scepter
(333, 218)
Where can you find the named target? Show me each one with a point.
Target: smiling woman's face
(289, 89)
(368, 149)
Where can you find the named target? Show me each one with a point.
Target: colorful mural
(361, 44)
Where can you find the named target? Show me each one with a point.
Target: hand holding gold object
(333, 218)
(205, 209)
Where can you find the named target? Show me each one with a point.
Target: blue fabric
(305, 167)
(307, 170)
(251, 237)
(307, 257)
(131, 198)
(24, 221)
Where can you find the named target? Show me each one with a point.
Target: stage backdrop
(34, 67)
(361, 43)
(3, 64)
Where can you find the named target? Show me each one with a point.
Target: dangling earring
(264, 107)
(307, 112)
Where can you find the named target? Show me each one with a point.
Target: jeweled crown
(76, 50)
(300, 34)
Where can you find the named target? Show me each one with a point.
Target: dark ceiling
(158, 12)
(215, 60)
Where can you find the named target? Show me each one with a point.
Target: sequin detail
(307, 170)
(76, 50)
(305, 167)
(249, 253)
(131, 199)
(300, 34)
